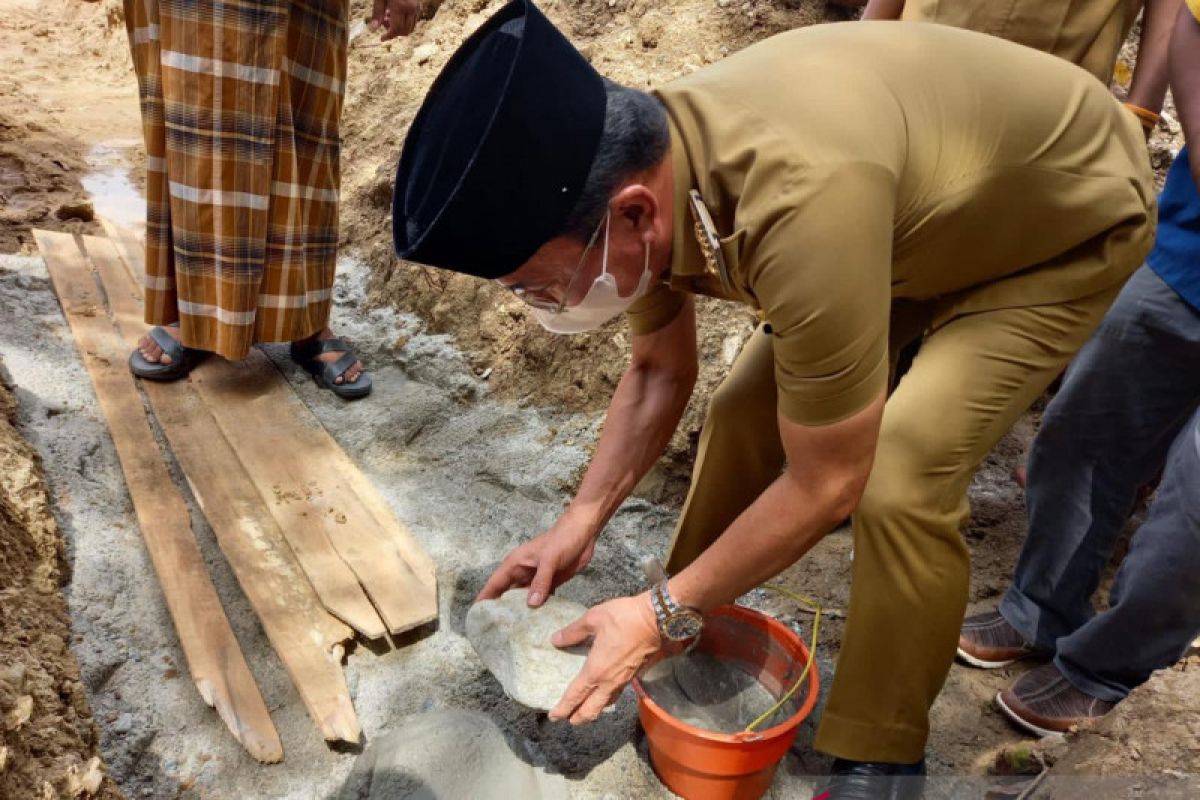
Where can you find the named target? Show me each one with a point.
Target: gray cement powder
(447, 755)
(711, 693)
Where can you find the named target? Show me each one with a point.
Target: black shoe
(872, 780)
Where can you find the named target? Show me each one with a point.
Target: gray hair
(635, 138)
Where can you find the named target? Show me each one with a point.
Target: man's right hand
(543, 564)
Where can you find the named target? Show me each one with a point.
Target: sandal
(326, 374)
(183, 359)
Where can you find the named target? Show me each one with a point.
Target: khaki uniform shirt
(1085, 32)
(846, 165)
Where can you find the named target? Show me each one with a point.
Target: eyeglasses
(544, 303)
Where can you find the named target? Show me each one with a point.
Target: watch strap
(664, 593)
(670, 605)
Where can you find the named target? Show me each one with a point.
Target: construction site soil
(462, 371)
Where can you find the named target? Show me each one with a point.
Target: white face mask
(602, 302)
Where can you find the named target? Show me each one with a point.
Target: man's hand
(1149, 84)
(543, 564)
(625, 640)
(395, 17)
(883, 9)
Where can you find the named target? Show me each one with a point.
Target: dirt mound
(50, 117)
(48, 739)
(1154, 734)
(39, 184)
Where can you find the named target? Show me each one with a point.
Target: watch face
(681, 627)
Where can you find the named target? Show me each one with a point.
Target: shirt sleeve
(655, 310)
(822, 275)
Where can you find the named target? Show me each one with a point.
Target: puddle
(113, 194)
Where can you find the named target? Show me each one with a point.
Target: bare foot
(150, 349)
(350, 375)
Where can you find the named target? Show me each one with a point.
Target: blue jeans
(1128, 406)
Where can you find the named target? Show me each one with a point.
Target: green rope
(815, 607)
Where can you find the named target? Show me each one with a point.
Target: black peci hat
(498, 154)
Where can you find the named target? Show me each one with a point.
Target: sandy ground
(64, 85)
(48, 736)
(1154, 734)
(476, 434)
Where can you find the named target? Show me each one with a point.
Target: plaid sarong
(241, 101)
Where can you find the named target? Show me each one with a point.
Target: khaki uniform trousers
(972, 379)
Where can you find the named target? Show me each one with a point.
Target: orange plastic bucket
(697, 764)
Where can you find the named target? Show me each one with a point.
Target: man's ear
(637, 204)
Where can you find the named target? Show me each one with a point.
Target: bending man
(909, 178)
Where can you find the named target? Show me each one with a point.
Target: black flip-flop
(183, 359)
(326, 374)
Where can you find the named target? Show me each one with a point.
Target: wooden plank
(131, 248)
(132, 251)
(323, 495)
(300, 471)
(331, 578)
(213, 656)
(308, 640)
(410, 549)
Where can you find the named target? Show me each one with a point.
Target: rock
(14, 676)
(448, 754)
(423, 53)
(77, 209)
(20, 713)
(730, 347)
(124, 723)
(1018, 759)
(513, 640)
(84, 779)
(3, 758)
(651, 29)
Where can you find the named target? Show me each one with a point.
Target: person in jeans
(1129, 406)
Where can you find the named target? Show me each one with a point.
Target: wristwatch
(676, 623)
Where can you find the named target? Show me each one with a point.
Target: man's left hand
(625, 640)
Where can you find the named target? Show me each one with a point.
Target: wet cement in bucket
(709, 692)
